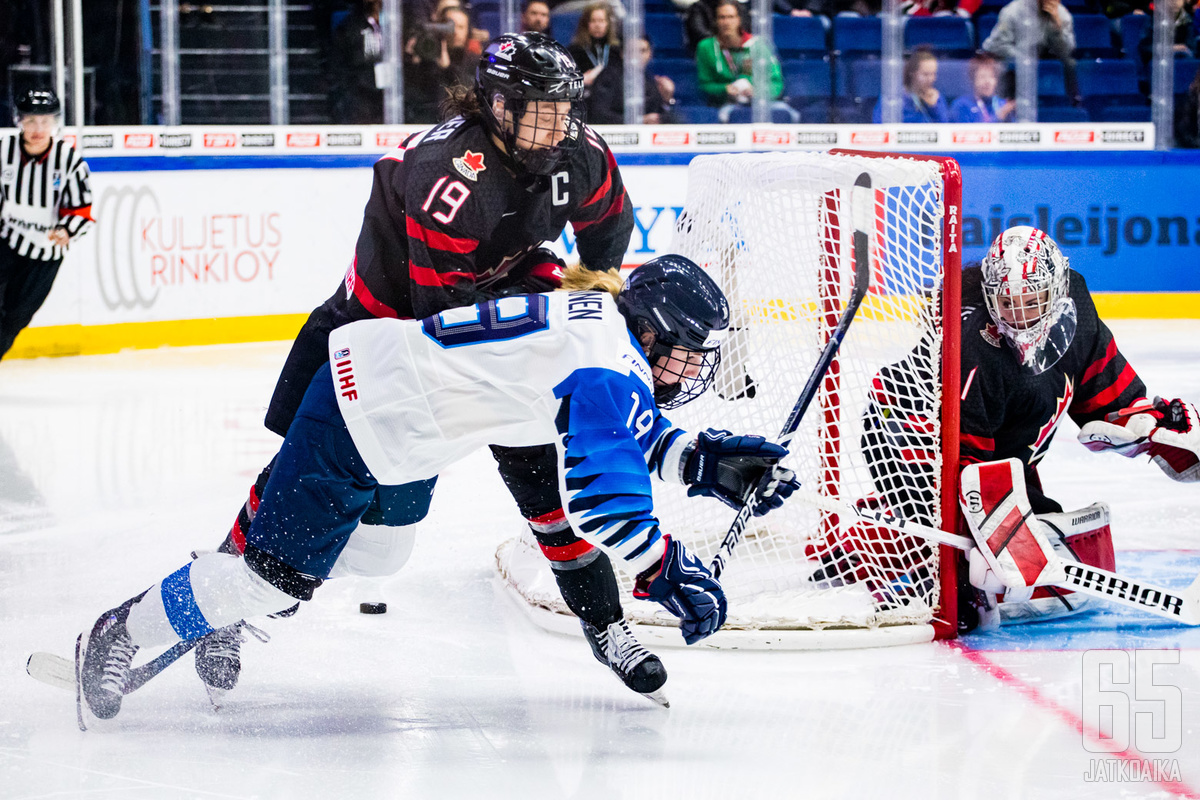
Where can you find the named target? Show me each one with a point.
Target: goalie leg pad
(1083, 536)
(1014, 552)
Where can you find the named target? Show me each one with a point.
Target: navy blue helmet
(525, 68)
(677, 301)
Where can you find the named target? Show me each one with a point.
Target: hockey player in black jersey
(1033, 350)
(457, 215)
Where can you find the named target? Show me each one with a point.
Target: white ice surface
(112, 468)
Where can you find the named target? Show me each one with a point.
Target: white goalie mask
(1026, 288)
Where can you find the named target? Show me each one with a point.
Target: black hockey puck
(372, 608)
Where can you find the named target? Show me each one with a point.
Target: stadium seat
(866, 79)
(951, 36)
(1062, 114)
(562, 26)
(683, 72)
(809, 88)
(983, 26)
(1123, 113)
(1132, 26)
(743, 114)
(954, 80)
(697, 114)
(800, 37)
(1108, 82)
(1052, 86)
(1185, 71)
(666, 34)
(857, 36)
(1094, 37)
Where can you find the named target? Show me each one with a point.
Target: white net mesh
(775, 231)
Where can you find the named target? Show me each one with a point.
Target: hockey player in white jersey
(401, 400)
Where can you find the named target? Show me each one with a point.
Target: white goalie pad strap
(375, 551)
(1011, 541)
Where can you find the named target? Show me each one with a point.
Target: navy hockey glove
(722, 465)
(686, 588)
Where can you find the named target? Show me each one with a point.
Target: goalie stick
(862, 205)
(1179, 605)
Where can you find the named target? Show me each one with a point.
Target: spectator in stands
(1184, 37)
(535, 17)
(983, 105)
(725, 63)
(658, 91)
(939, 8)
(805, 8)
(1187, 116)
(922, 101)
(451, 63)
(357, 50)
(1056, 38)
(597, 53)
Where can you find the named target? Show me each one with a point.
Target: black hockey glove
(723, 466)
(686, 588)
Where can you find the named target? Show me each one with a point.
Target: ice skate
(218, 659)
(633, 664)
(103, 659)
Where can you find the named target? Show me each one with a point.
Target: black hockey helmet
(677, 301)
(36, 102)
(524, 68)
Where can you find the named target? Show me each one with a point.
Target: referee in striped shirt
(46, 203)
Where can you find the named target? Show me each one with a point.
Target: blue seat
(697, 114)
(1094, 37)
(1052, 86)
(1109, 82)
(952, 36)
(983, 26)
(856, 36)
(666, 34)
(800, 37)
(683, 72)
(1079, 6)
(866, 79)
(1061, 114)
(954, 80)
(1132, 26)
(562, 26)
(807, 79)
(1185, 72)
(1123, 113)
(744, 114)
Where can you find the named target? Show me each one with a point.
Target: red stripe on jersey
(600, 193)
(364, 296)
(568, 552)
(557, 515)
(427, 276)
(983, 443)
(614, 209)
(82, 211)
(1099, 364)
(1101, 399)
(438, 240)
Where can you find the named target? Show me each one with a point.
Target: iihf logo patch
(341, 353)
(470, 165)
(505, 50)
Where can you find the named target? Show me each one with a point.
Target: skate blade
(658, 696)
(216, 696)
(79, 704)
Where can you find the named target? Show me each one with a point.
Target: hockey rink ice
(113, 468)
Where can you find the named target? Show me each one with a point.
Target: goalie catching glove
(1167, 430)
(685, 587)
(721, 465)
(1013, 554)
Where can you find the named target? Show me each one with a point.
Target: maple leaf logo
(1047, 430)
(469, 165)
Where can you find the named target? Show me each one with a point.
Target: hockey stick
(1178, 605)
(862, 204)
(59, 672)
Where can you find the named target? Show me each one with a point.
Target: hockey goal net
(775, 231)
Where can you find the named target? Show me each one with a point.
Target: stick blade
(52, 670)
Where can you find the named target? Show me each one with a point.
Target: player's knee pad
(375, 551)
(1083, 536)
